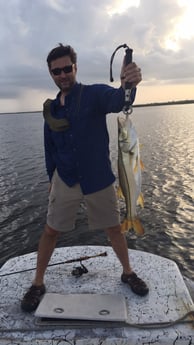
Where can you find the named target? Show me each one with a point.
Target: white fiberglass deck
(167, 301)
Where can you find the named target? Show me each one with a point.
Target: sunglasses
(66, 69)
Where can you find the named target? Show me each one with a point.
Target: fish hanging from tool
(129, 162)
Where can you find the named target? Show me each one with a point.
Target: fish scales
(129, 172)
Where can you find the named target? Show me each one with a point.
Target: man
(78, 165)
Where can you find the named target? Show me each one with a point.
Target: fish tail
(126, 225)
(134, 224)
(138, 227)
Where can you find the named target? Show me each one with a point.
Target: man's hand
(130, 73)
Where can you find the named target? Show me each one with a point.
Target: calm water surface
(166, 135)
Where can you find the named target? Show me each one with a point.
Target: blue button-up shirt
(81, 153)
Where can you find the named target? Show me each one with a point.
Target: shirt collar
(73, 92)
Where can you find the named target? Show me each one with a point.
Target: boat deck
(168, 300)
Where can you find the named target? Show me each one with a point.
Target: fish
(129, 173)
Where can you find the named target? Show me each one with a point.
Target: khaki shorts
(102, 206)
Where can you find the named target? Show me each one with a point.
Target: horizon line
(134, 106)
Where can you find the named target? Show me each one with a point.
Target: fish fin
(135, 168)
(120, 193)
(137, 226)
(142, 165)
(134, 224)
(140, 200)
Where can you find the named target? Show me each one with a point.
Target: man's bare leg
(46, 247)
(119, 245)
(47, 243)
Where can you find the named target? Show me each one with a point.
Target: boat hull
(168, 300)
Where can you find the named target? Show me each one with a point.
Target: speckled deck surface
(168, 299)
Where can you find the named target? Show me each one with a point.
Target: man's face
(64, 79)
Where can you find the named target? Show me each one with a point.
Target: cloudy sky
(160, 32)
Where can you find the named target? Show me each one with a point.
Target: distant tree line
(164, 103)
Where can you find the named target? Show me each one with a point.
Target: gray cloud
(29, 29)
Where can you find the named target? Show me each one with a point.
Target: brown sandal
(137, 285)
(32, 298)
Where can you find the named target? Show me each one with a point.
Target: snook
(129, 172)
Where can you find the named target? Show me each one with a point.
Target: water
(166, 134)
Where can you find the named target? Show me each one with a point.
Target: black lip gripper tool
(127, 109)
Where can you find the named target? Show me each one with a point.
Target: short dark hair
(61, 51)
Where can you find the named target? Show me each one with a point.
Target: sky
(160, 32)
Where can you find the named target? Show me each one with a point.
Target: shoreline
(154, 104)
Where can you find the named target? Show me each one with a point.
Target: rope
(88, 324)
